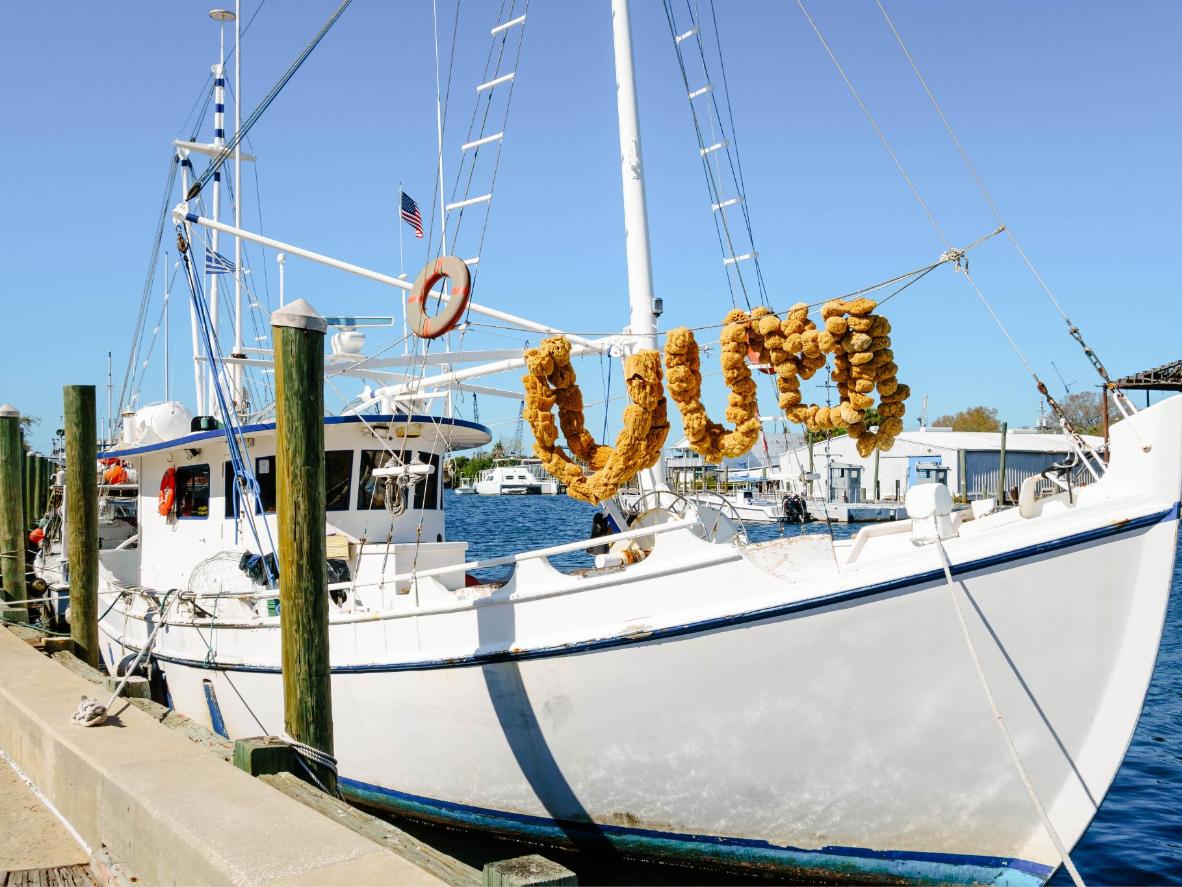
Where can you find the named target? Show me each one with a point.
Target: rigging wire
(244, 476)
(734, 159)
(500, 148)
(964, 156)
(149, 282)
(721, 226)
(228, 150)
(956, 255)
(442, 109)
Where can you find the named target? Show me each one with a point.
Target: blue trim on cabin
(198, 436)
(721, 622)
(916, 866)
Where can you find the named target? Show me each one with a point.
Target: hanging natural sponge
(710, 439)
(551, 380)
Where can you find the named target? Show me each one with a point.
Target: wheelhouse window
(338, 473)
(264, 472)
(192, 491)
(371, 491)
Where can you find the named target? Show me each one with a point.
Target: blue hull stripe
(916, 866)
(779, 610)
(197, 436)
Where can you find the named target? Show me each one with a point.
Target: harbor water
(1136, 838)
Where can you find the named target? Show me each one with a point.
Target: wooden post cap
(9, 411)
(528, 871)
(301, 316)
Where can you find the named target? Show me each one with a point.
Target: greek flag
(216, 263)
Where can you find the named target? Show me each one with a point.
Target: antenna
(1066, 385)
(923, 414)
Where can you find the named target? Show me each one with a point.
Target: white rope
(997, 716)
(90, 712)
(305, 753)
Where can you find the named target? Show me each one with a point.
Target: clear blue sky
(1070, 111)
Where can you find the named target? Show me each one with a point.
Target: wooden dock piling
(12, 547)
(82, 520)
(38, 501)
(30, 480)
(298, 333)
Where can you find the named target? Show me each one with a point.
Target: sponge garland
(551, 380)
(683, 364)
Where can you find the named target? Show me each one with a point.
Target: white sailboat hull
(752, 707)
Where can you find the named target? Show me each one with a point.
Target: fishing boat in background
(807, 707)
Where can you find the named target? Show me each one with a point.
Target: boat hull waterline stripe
(778, 610)
(919, 865)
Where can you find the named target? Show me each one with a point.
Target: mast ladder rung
(505, 26)
(681, 38)
(717, 146)
(495, 137)
(709, 87)
(460, 204)
(497, 82)
(725, 203)
(734, 260)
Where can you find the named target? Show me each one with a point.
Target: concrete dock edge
(164, 806)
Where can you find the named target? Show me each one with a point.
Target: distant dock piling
(1001, 468)
(12, 547)
(82, 520)
(298, 333)
(30, 486)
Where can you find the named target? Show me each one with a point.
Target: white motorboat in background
(515, 477)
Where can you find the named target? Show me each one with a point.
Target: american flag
(216, 263)
(410, 214)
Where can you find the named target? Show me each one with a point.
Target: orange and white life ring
(167, 492)
(425, 326)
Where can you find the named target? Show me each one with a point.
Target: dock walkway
(162, 805)
(34, 844)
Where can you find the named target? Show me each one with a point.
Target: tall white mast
(239, 391)
(198, 375)
(642, 324)
(167, 389)
(219, 140)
